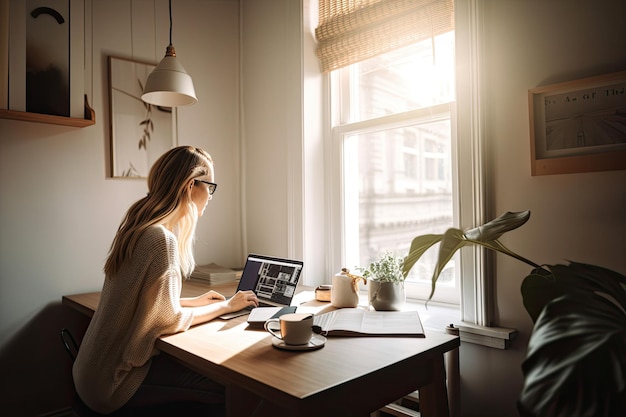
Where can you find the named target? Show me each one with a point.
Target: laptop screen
(272, 279)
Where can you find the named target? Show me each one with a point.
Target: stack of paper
(215, 274)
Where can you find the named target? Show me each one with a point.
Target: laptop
(273, 280)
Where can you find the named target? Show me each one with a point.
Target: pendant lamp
(169, 85)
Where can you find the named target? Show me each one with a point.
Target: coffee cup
(295, 328)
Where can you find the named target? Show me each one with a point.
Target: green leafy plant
(576, 359)
(387, 268)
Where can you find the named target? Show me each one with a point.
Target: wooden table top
(231, 353)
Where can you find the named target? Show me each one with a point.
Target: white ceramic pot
(386, 296)
(344, 292)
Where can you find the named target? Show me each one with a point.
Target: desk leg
(453, 378)
(434, 396)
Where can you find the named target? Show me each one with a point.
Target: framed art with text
(578, 126)
(140, 132)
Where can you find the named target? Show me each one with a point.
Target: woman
(151, 254)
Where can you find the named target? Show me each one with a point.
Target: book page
(325, 321)
(355, 320)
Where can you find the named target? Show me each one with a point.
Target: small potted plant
(386, 283)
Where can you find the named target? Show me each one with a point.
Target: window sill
(442, 317)
(495, 337)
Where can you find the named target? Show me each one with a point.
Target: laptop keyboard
(244, 311)
(261, 304)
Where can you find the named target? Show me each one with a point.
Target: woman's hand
(207, 298)
(241, 300)
(213, 304)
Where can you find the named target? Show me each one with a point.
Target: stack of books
(215, 274)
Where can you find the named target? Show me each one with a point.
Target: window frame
(321, 163)
(471, 163)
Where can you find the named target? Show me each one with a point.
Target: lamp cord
(170, 22)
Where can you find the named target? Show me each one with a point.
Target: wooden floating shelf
(90, 117)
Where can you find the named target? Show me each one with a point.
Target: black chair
(80, 409)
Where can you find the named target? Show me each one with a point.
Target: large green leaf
(538, 289)
(454, 239)
(497, 227)
(419, 245)
(576, 361)
(579, 277)
(499, 247)
(541, 286)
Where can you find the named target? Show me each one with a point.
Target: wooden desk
(350, 376)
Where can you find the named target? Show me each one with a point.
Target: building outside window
(393, 120)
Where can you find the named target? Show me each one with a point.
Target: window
(392, 127)
(332, 154)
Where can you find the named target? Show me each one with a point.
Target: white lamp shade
(169, 85)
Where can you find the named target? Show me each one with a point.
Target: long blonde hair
(168, 199)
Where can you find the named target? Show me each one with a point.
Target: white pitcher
(345, 291)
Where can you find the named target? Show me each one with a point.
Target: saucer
(316, 342)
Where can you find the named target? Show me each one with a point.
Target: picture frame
(578, 126)
(139, 132)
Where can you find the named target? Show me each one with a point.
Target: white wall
(59, 211)
(272, 127)
(577, 217)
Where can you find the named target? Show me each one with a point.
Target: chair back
(71, 347)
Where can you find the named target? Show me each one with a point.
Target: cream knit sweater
(139, 304)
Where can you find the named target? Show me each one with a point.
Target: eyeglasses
(212, 186)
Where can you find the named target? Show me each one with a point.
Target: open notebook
(359, 322)
(273, 280)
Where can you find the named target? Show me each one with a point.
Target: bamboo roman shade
(350, 31)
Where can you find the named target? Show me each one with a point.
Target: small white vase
(386, 296)
(343, 293)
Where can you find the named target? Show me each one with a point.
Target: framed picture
(140, 132)
(578, 126)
